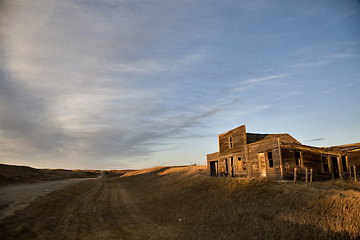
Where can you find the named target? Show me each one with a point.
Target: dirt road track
(94, 209)
(16, 197)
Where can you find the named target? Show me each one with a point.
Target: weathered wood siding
(211, 157)
(238, 136)
(233, 168)
(310, 159)
(273, 156)
(354, 160)
(264, 146)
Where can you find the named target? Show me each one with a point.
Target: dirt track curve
(16, 197)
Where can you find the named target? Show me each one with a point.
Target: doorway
(226, 167)
(334, 161)
(262, 165)
(214, 168)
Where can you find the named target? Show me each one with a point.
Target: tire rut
(137, 220)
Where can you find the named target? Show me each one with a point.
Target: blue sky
(132, 84)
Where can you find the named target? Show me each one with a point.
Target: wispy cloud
(320, 61)
(264, 107)
(262, 79)
(315, 140)
(245, 85)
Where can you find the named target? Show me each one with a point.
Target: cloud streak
(321, 61)
(247, 84)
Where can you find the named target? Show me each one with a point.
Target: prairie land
(185, 203)
(10, 174)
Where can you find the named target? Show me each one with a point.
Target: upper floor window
(297, 158)
(325, 163)
(270, 159)
(230, 142)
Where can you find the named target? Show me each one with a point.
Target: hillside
(21, 174)
(185, 203)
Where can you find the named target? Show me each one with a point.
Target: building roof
(256, 137)
(345, 148)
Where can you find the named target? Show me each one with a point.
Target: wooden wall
(211, 157)
(254, 163)
(253, 151)
(312, 159)
(238, 136)
(354, 160)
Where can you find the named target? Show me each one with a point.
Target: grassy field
(11, 174)
(185, 203)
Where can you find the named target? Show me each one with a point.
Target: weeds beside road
(15, 197)
(184, 203)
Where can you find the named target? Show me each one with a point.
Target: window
(325, 163)
(270, 159)
(297, 158)
(239, 164)
(344, 163)
(230, 142)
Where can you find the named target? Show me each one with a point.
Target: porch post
(355, 174)
(281, 163)
(340, 166)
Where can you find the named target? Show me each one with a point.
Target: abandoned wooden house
(278, 156)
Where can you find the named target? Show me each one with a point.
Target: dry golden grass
(185, 203)
(10, 174)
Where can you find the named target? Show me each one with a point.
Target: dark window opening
(270, 159)
(297, 158)
(230, 142)
(325, 163)
(344, 163)
(226, 166)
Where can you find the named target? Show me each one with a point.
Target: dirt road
(94, 209)
(16, 197)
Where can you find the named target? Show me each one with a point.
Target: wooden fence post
(306, 176)
(295, 174)
(311, 172)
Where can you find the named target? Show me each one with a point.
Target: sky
(128, 84)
